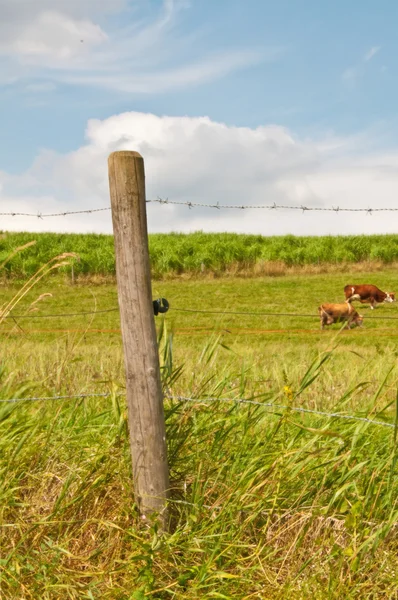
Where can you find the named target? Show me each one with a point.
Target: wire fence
(65, 213)
(220, 311)
(59, 315)
(285, 407)
(224, 328)
(217, 206)
(223, 312)
(274, 206)
(52, 398)
(271, 406)
(264, 314)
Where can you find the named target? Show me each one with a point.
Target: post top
(125, 153)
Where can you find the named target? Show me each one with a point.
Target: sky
(239, 102)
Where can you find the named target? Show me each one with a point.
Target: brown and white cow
(367, 293)
(336, 313)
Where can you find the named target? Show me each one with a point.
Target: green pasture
(266, 503)
(262, 343)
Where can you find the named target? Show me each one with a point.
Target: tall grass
(266, 504)
(177, 253)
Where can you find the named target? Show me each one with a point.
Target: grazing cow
(335, 313)
(367, 293)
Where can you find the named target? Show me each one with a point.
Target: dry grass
(281, 269)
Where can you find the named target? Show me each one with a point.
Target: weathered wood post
(144, 391)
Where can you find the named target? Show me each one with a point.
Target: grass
(266, 503)
(205, 253)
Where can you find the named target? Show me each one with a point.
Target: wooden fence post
(144, 391)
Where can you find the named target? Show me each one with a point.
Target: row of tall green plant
(176, 253)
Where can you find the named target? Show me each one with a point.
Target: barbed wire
(273, 206)
(282, 407)
(303, 208)
(179, 398)
(65, 213)
(50, 398)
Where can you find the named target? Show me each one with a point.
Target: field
(266, 502)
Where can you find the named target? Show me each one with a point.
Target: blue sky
(321, 71)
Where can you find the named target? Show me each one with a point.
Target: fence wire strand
(65, 213)
(50, 398)
(301, 207)
(282, 407)
(186, 310)
(56, 315)
(207, 400)
(262, 314)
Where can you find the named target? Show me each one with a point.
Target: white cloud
(352, 74)
(75, 43)
(52, 37)
(199, 160)
(193, 74)
(371, 53)
(16, 12)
